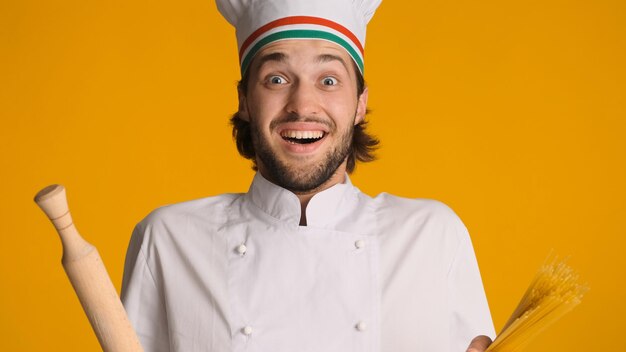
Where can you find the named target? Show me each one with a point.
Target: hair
(363, 143)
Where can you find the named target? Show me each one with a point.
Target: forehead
(302, 51)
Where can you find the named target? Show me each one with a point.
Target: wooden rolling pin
(89, 277)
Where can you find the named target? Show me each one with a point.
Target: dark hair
(363, 144)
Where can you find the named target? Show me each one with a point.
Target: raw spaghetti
(554, 291)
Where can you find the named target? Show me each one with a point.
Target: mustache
(297, 118)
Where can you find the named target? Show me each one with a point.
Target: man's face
(302, 106)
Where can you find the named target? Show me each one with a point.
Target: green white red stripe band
(300, 27)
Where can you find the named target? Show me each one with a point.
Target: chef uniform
(236, 272)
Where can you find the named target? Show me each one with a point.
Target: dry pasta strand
(554, 291)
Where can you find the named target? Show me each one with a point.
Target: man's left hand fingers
(479, 344)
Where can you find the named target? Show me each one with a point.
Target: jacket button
(359, 244)
(241, 249)
(361, 326)
(247, 330)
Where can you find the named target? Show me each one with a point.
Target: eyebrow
(277, 56)
(329, 57)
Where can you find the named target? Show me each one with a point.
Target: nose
(303, 100)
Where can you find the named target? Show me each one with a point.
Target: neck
(339, 176)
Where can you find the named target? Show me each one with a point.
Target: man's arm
(471, 319)
(142, 296)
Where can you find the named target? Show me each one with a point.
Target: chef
(304, 261)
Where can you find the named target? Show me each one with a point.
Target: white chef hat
(261, 22)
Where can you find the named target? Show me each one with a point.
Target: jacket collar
(324, 210)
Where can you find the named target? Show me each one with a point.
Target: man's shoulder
(205, 209)
(419, 214)
(413, 206)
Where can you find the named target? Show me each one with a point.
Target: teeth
(302, 134)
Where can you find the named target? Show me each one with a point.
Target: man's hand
(479, 344)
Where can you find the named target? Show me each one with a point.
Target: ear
(361, 107)
(242, 110)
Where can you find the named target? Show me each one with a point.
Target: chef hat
(261, 22)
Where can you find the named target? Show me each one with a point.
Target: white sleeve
(469, 309)
(142, 297)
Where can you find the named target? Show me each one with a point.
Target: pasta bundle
(554, 291)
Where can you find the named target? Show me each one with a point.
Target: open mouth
(302, 137)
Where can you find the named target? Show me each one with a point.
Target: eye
(277, 80)
(329, 81)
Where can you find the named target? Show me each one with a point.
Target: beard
(301, 178)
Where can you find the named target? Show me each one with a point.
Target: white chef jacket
(236, 272)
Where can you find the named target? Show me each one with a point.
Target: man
(304, 261)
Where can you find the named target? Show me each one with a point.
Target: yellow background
(513, 113)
